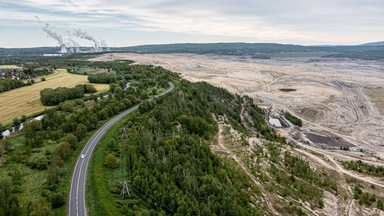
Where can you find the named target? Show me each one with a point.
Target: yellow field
(26, 100)
(9, 67)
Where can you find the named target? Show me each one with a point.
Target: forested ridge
(172, 170)
(169, 162)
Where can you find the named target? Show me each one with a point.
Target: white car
(82, 156)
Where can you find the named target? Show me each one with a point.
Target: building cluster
(11, 73)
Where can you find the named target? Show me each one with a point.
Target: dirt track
(329, 93)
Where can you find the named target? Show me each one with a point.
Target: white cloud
(300, 21)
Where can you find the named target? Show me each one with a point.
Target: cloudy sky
(134, 22)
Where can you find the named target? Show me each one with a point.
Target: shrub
(111, 161)
(57, 200)
(16, 121)
(23, 118)
(79, 102)
(39, 162)
(40, 207)
(67, 106)
(63, 150)
(380, 205)
(71, 139)
(80, 131)
(88, 88)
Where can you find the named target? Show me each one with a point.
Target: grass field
(26, 100)
(9, 67)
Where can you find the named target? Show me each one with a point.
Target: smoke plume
(84, 35)
(68, 45)
(55, 36)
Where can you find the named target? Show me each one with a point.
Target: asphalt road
(76, 205)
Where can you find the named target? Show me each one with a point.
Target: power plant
(69, 46)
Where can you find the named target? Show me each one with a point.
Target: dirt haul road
(330, 95)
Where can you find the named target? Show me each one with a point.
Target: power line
(154, 198)
(144, 201)
(123, 146)
(148, 199)
(123, 172)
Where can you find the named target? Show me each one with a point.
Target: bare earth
(339, 99)
(337, 96)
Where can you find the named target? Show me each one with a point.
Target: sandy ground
(330, 94)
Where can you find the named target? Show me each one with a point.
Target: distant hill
(370, 51)
(221, 48)
(28, 51)
(263, 50)
(380, 43)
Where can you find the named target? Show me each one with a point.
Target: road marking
(77, 190)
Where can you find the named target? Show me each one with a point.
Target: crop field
(26, 100)
(9, 67)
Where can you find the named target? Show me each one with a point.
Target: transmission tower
(124, 134)
(123, 147)
(125, 189)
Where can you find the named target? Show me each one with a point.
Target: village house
(11, 73)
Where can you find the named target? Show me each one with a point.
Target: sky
(137, 22)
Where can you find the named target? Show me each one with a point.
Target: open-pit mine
(340, 101)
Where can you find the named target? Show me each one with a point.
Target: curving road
(76, 202)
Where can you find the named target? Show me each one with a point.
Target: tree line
(293, 119)
(102, 78)
(9, 84)
(50, 97)
(366, 168)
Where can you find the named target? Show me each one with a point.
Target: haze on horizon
(126, 23)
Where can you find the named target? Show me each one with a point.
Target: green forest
(168, 160)
(36, 165)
